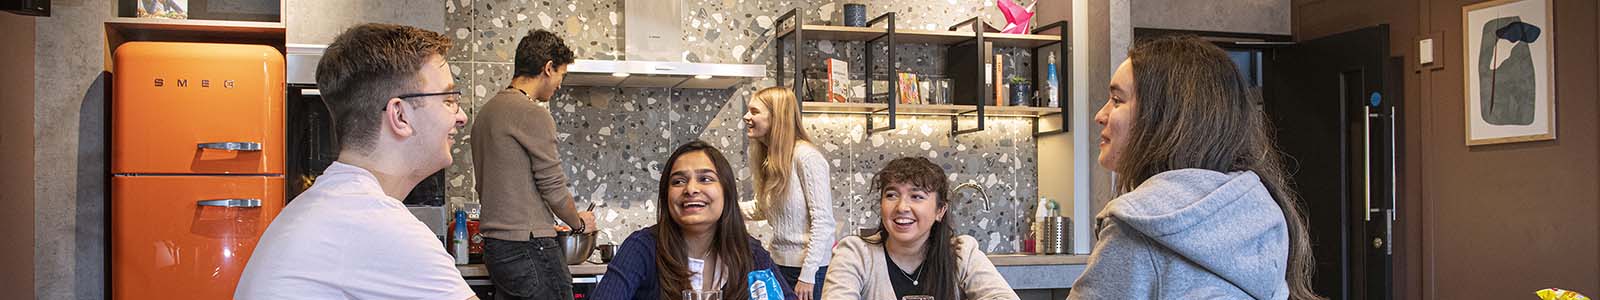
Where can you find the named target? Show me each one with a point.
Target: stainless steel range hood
(300, 62)
(659, 74)
(653, 46)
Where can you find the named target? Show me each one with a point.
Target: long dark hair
(1194, 110)
(939, 261)
(730, 244)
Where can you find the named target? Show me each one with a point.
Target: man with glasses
(519, 177)
(394, 105)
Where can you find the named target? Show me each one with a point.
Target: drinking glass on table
(692, 294)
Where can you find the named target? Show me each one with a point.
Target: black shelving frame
(797, 33)
(799, 61)
(1062, 27)
(894, 89)
(982, 88)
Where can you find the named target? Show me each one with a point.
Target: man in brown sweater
(519, 178)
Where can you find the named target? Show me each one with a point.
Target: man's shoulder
(511, 101)
(513, 110)
(326, 229)
(507, 95)
(331, 213)
(338, 199)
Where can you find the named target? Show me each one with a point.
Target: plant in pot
(1021, 91)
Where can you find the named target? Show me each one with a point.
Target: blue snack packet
(764, 286)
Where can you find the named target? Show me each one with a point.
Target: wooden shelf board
(917, 36)
(927, 109)
(196, 25)
(122, 30)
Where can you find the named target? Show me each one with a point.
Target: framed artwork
(1509, 71)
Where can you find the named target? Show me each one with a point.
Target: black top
(902, 280)
(632, 274)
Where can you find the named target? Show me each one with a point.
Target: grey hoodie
(1189, 234)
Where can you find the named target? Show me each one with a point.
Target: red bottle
(474, 239)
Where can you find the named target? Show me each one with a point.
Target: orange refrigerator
(197, 163)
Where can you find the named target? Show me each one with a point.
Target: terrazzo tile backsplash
(613, 141)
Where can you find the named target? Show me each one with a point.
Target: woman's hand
(803, 290)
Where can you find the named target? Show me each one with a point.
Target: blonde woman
(792, 189)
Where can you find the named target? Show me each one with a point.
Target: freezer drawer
(187, 237)
(193, 108)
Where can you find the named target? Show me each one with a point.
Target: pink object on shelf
(1017, 17)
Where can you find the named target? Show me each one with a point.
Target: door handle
(1394, 164)
(1388, 233)
(1366, 163)
(1394, 178)
(237, 202)
(231, 146)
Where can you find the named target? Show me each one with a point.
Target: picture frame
(1508, 71)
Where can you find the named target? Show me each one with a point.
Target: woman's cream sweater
(859, 272)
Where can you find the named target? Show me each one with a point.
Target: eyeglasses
(452, 99)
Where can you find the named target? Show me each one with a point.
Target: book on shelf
(910, 93)
(903, 91)
(838, 80)
(999, 80)
(916, 90)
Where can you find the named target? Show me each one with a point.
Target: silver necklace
(912, 276)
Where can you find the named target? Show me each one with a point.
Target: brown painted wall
(16, 155)
(1487, 222)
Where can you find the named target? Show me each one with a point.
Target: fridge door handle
(240, 203)
(231, 146)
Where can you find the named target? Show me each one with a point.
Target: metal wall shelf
(914, 36)
(794, 28)
(927, 109)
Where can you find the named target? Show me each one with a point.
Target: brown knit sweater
(518, 170)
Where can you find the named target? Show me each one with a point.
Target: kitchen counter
(586, 269)
(1037, 259)
(1036, 271)
(1022, 271)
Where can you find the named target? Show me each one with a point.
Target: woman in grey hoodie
(1204, 211)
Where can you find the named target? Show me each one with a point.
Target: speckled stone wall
(614, 140)
(1245, 16)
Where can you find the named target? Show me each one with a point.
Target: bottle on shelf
(1052, 83)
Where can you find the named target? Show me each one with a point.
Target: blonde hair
(772, 157)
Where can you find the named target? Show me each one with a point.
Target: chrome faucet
(974, 185)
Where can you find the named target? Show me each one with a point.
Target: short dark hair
(916, 171)
(537, 48)
(364, 67)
